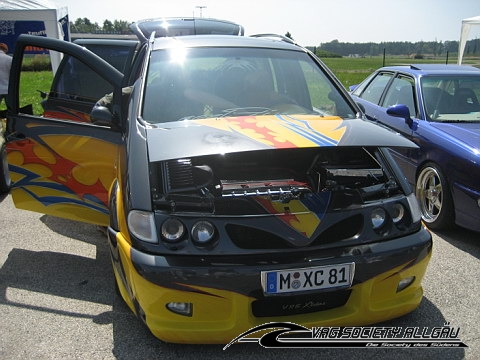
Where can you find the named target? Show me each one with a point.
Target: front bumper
(228, 299)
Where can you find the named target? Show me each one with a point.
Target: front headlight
(378, 217)
(172, 230)
(398, 213)
(203, 233)
(142, 225)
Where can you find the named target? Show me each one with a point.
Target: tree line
(426, 48)
(332, 48)
(84, 25)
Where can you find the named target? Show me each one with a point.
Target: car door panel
(58, 166)
(61, 170)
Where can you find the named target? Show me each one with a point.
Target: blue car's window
(358, 89)
(452, 98)
(373, 92)
(187, 84)
(401, 91)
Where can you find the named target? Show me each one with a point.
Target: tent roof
(26, 5)
(465, 29)
(34, 11)
(472, 20)
(19, 10)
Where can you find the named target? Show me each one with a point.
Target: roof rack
(274, 36)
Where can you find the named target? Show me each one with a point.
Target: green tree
(85, 25)
(108, 26)
(121, 26)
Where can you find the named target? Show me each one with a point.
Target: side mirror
(101, 115)
(400, 111)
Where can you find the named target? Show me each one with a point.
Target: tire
(434, 198)
(5, 181)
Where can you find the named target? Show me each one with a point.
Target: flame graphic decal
(65, 173)
(283, 131)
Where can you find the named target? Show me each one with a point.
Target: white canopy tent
(17, 15)
(466, 26)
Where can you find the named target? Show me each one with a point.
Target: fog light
(181, 308)
(172, 230)
(203, 232)
(404, 283)
(398, 212)
(378, 217)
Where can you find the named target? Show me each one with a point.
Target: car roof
(265, 41)
(434, 69)
(167, 27)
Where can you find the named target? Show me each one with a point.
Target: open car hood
(188, 138)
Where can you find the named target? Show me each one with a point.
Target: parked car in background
(437, 107)
(238, 181)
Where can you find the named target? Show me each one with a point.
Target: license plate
(307, 279)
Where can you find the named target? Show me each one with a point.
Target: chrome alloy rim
(429, 194)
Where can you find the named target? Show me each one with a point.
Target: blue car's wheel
(434, 197)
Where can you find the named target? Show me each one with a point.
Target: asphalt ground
(58, 301)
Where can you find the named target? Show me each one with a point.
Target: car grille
(246, 237)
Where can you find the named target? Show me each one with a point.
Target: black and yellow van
(239, 183)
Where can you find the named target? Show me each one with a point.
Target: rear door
(59, 165)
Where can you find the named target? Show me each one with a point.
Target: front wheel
(434, 198)
(5, 181)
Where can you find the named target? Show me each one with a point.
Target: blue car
(437, 107)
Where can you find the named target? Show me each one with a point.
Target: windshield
(452, 98)
(185, 84)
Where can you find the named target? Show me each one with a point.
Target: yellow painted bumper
(219, 315)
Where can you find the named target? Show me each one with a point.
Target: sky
(310, 22)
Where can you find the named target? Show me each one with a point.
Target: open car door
(60, 166)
